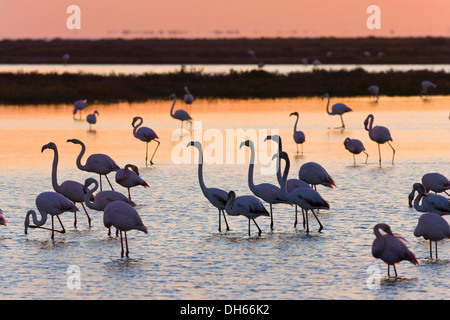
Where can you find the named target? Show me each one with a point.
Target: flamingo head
(87, 183)
(419, 188)
(49, 145)
(134, 121)
(411, 198)
(194, 144)
(96, 112)
(274, 137)
(246, 143)
(347, 140)
(231, 195)
(172, 96)
(326, 95)
(27, 220)
(385, 227)
(294, 114)
(366, 122)
(76, 141)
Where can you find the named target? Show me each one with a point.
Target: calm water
(184, 256)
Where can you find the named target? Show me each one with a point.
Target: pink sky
(213, 18)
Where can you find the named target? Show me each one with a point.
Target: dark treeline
(37, 88)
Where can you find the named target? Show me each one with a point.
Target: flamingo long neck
(138, 125)
(200, 170)
(328, 104)
(370, 123)
(417, 205)
(285, 175)
(295, 126)
(173, 105)
(88, 195)
(280, 148)
(36, 221)
(83, 150)
(251, 167)
(54, 170)
(230, 203)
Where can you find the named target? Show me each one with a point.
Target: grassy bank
(66, 88)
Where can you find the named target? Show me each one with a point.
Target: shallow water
(184, 256)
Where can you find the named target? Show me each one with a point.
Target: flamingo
(188, 97)
(98, 163)
(124, 218)
(92, 118)
(299, 136)
(337, 108)
(130, 178)
(436, 182)
(265, 191)
(355, 146)
(145, 134)
(314, 174)
(430, 202)
(427, 88)
(248, 206)
(390, 247)
(180, 114)
(433, 227)
(305, 198)
(72, 190)
(217, 197)
(49, 203)
(374, 91)
(253, 54)
(78, 106)
(2, 219)
(378, 134)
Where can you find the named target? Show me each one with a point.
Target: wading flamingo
(374, 91)
(49, 203)
(337, 109)
(188, 97)
(430, 202)
(70, 189)
(217, 197)
(180, 114)
(355, 146)
(427, 88)
(124, 218)
(433, 227)
(78, 106)
(98, 163)
(299, 136)
(145, 134)
(92, 118)
(390, 247)
(130, 178)
(436, 182)
(248, 206)
(378, 134)
(314, 174)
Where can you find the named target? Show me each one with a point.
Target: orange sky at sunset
(226, 18)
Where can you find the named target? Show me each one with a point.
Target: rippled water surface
(184, 256)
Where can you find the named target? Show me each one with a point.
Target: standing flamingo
(378, 134)
(188, 97)
(124, 218)
(355, 146)
(432, 227)
(314, 174)
(49, 203)
(130, 178)
(92, 118)
(427, 88)
(248, 206)
(436, 182)
(390, 247)
(265, 191)
(305, 198)
(98, 163)
(180, 114)
(144, 134)
(72, 190)
(217, 197)
(2, 219)
(78, 106)
(337, 108)
(299, 136)
(430, 202)
(374, 91)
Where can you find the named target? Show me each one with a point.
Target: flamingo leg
(109, 182)
(220, 228)
(151, 160)
(435, 247)
(75, 217)
(297, 147)
(431, 250)
(146, 152)
(259, 230)
(271, 217)
(367, 156)
(393, 152)
(100, 178)
(304, 221)
(379, 155)
(225, 218)
(342, 121)
(126, 244)
(354, 160)
(129, 194)
(307, 222)
(89, 218)
(295, 222)
(321, 226)
(121, 244)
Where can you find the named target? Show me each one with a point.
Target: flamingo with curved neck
(145, 134)
(430, 202)
(337, 109)
(128, 177)
(180, 114)
(379, 134)
(299, 136)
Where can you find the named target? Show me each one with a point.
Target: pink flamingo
(130, 178)
(145, 134)
(188, 98)
(72, 190)
(436, 182)
(49, 203)
(390, 247)
(124, 218)
(265, 191)
(2, 219)
(314, 174)
(180, 114)
(355, 146)
(427, 88)
(374, 91)
(337, 108)
(78, 106)
(430, 202)
(378, 134)
(433, 227)
(98, 163)
(299, 136)
(92, 118)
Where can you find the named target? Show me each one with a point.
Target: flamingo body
(103, 198)
(130, 178)
(374, 91)
(355, 146)
(314, 174)
(337, 109)
(379, 134)
(180, 114)
(92, 118)
(145, 134)
(432, 227)
(78, 106)
(430, 202)
(298, 135)
(436, 182)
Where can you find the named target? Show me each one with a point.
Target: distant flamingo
(432, 227)
(390, 247)
(436, 182)
(378, 134)
(265, 191)
(78, 106)
(427, 88)
(124, 218)
(430, 202)
(305, 198)
(299, 136)
(253, 54)
(49, 203)
(180, 114)
(355, 146)
(188, 98)
(217, 197)
(337, 108)
(72, 190)
(92, 118)
(98, 163)
(247, 206)
(314, 174)
(374, 91)
(130, 178)
(145, 134)
(2, 219)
